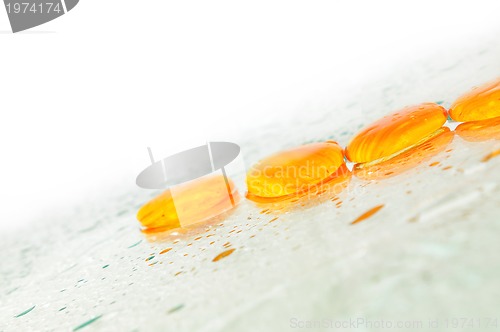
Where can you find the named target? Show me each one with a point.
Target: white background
(83, 96)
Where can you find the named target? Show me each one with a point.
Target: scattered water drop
(223, 255)
(90, 321)
(25, 312)
(368, 214)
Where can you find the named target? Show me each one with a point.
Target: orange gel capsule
(477, 131)
(294, 171)
(395, 133)
(479, 104)
(327, 190)
(406, 160)
(188, 203)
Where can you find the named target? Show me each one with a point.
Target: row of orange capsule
(378, 150)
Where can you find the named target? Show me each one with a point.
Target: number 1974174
(33, 8)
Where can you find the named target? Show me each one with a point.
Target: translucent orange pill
(406, 160)
(189, 203)
(326, 191)
(295, 171)
(479, 104)
(396, 133)
(476, 131)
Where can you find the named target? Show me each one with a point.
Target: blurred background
(83, 96)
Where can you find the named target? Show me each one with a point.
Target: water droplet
(368, 214)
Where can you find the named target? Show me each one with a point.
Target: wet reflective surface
(432, 247)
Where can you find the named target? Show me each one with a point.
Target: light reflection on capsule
(406, 160)
(396, 133)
